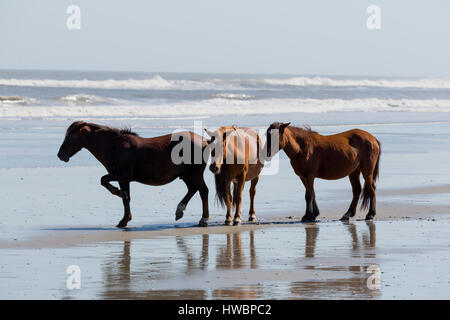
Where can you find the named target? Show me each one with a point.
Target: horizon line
(229, 73)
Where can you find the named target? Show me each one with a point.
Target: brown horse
(128, 157)
(235, 159)
(330, 157)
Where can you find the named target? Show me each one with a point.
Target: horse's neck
(292, 145)
(97, 144)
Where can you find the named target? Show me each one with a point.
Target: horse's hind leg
(192, 189)
(251, 213)
(203, 189)
(237, 199)
(356, 188)
(369, 196)
(229, 203)
(125, 189)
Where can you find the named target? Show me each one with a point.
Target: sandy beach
(103, 75)
(59, 215)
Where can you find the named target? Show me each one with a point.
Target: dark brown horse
(330, 157)
(128, 157)
(235, 159)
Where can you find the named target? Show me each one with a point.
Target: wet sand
(57, 237)
(327, 260)
(54, 217)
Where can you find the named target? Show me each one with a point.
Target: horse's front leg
(251, 213)
(105, 181)
(125, 189)
(238, 199)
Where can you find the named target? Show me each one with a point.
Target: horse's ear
(85, 129)
(209, 132)
(284, 125)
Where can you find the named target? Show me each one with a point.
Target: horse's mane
(119, 131)
(126, 131)
(306, 134)
(306, 129)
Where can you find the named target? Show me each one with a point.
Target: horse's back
(361, 140)
(154, 161)
(247, 146)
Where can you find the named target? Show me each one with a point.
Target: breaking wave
(227, 107)
(234, 96)
(16, 100)
(159, 83)
(391, 83)
(85, 99)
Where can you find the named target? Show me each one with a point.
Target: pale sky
(314, 37)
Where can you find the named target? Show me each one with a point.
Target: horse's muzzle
(63, 157)
(214, 169)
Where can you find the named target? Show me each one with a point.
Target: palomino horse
(235, 159)
(330, 157)
(128, 157)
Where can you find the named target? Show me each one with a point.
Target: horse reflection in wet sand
(330, 157)
(235, 159)
(128, 157)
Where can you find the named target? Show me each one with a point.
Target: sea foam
(227, 107)
(159, 83)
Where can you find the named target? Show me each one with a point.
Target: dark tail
(367, 191)
(377, 165)
(221, 187)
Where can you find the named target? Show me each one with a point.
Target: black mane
(119, 131)
(127, 131)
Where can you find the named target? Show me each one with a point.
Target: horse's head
(218, 144)
(74, 140)
(275, 134)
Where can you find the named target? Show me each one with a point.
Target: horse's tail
(221, 187)
(367, 190)
(377, 165)
(366, 194)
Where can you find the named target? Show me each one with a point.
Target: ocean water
(62, 95)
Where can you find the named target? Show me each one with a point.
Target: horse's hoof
(180, 211)
(121, 225)
(237, 222)
(228, 222)
(307, 220)
(345, 217)
(203, 222)
(369, 217)
(252, 218)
